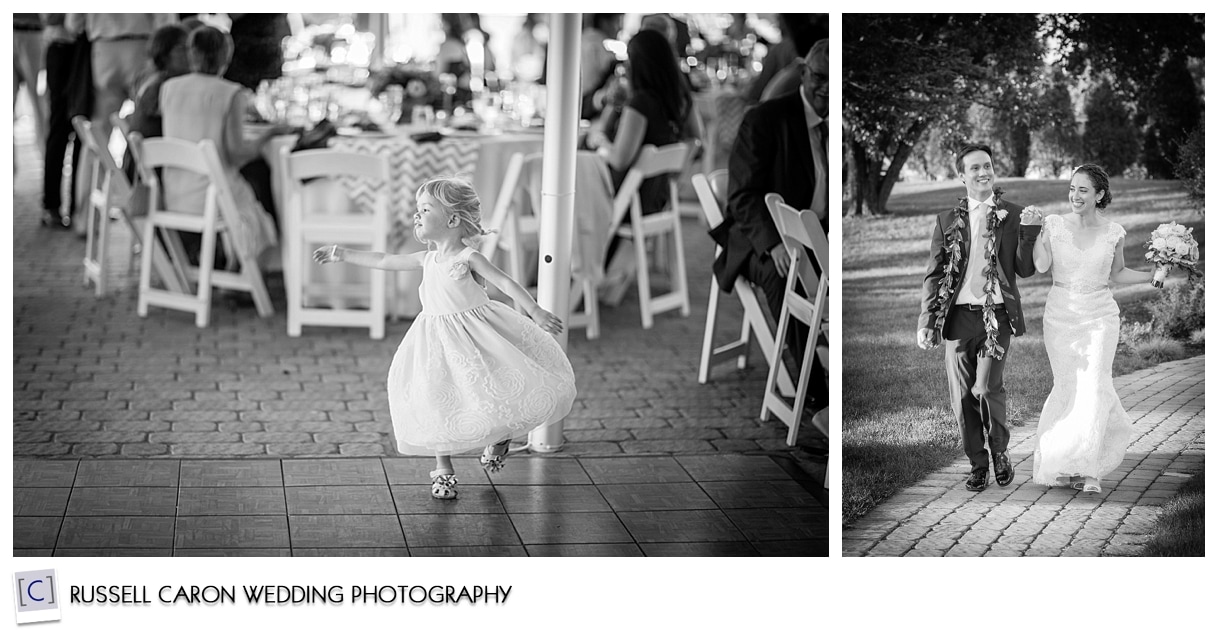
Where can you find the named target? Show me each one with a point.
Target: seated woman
(201, 105)
(168, 52)
(659, 112)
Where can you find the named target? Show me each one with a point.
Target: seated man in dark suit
(780, 148)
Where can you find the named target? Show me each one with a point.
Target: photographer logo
(36, 596)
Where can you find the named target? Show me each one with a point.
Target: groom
(970, 299)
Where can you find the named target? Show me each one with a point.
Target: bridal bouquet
(1172, 245)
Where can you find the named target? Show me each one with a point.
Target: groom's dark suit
(977, 394)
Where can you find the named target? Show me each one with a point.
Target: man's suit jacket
(1014, 260)
(772, 154)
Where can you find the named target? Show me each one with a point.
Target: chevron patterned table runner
(410, 164)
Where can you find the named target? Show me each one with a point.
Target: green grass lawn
(897, 423)
(1180, 529)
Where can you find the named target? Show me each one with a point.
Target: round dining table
(415, 155)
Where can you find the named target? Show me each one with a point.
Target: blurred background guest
(529, 49)
(201, 105)
(674, 30)
(659, 112)
(257, 47)
(597, 63)
(781, 148)
(27, 64)
(168, 52)
(463, 31)
(799, 32)
(67, 63)
(119, 56)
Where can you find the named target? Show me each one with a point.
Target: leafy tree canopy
(909, 71)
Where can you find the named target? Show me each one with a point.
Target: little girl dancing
(471, 372)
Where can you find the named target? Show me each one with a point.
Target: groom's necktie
(977, 282)
(820, 197)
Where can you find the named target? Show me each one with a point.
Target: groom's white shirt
(976, 258)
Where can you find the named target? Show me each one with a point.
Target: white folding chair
(108, 195)
(161, 262)
(121, 124)
(214, 222)
(654, 161)
(516, 235)
(307, 225)
(711, 195)
(512, 232)
(801, 232)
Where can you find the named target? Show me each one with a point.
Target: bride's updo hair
(460, 200)
(1099, 181)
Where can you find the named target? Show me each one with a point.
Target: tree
(1131, 47)
(1110, 138)
(1136, 50)
(1017, 136)
(1190, 169)
(909, 72)
(1172, 116)
(1056, 144)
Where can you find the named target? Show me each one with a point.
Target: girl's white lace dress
(1083, 429)
(471, 371)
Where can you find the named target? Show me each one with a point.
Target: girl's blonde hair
(459, 200)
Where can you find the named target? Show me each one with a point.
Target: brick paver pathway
(938, 517)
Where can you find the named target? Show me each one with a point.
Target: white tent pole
(558, 188)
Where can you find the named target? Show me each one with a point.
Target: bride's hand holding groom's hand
(1031, 216)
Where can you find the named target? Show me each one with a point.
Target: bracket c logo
(37, 596)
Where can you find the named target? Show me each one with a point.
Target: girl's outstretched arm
(484, 268)
(379, 260)
(1122, 275)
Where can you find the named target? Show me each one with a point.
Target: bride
(1083, 431)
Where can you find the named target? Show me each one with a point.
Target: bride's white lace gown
(1083, 430)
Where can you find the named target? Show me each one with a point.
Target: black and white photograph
(1023, 256)
(435, 284)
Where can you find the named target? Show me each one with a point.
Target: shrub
(1179, 311)
(1132, 334)
(1157, 350)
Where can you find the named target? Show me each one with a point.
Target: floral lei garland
(953, 254)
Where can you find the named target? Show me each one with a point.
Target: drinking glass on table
(391, 100)
(423, 116)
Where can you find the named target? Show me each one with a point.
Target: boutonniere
(1002, 215)
(459, 270)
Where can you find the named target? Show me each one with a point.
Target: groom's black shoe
(1003, 473)
(977, 480)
